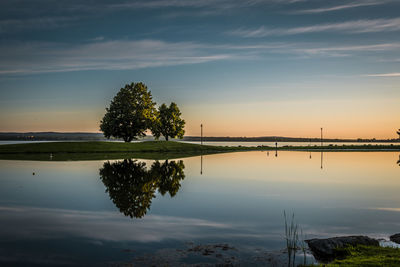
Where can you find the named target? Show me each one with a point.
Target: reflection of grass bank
(98, 156)
(366, 256)
(148, 150)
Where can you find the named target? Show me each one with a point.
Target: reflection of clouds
(22, 222)
(386, 209)
(45, 223)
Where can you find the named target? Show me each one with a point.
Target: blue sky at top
(280, 61)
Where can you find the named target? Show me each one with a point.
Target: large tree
(169, 122)
(131, 113)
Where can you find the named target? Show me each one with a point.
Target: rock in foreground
(325, 249)
(395, 238)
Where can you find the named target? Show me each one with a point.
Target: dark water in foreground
(152, 212)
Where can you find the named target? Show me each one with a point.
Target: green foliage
(366, 256)
(132, 187)
(130, 114)
(169, 122)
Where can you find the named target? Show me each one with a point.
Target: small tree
(168, 122)
(130, 114)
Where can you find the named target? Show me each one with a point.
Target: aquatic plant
(292, 238)
(303, 246)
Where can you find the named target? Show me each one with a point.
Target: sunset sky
(242, 68)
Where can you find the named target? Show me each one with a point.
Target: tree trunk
(127, 139)
(166, 138)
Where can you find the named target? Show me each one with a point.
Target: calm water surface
(135, 211)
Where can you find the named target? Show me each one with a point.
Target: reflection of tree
(398, 162)
(132, 187)
(169, 176)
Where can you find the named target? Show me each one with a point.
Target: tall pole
(201, 138)
(321, 136)
(201, 164)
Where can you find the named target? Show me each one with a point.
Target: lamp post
(321, 137)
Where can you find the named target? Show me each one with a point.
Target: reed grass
(292, 238)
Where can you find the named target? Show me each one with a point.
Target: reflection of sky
(239, 199)
(101, 225)
(279, 144)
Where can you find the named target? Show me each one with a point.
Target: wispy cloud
(217, 4)
(393, 74)
(340, 7)
(102, 55)
(105, 5)
(34, 23)
(355, 26)
(346, 50)
(49, 14)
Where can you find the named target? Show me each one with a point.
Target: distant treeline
(50, 136)
(285, 139)
(58, 136)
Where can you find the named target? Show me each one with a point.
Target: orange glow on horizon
(346, 119)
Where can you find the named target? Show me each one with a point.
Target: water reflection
(168, 176)
(201, 165)
(322, 160)
(398, 162)
(132, 186)
(72, 220)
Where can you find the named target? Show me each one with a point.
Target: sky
(240, 68)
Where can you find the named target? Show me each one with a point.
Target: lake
(223, 208)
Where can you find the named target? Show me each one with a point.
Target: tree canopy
(131, 113)
(169, 122)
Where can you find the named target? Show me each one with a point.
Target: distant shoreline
(82, 136)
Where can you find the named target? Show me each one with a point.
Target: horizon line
(198, 136)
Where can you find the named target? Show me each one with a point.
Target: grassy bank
(109, 150)
(367, 256)
(147, 150)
